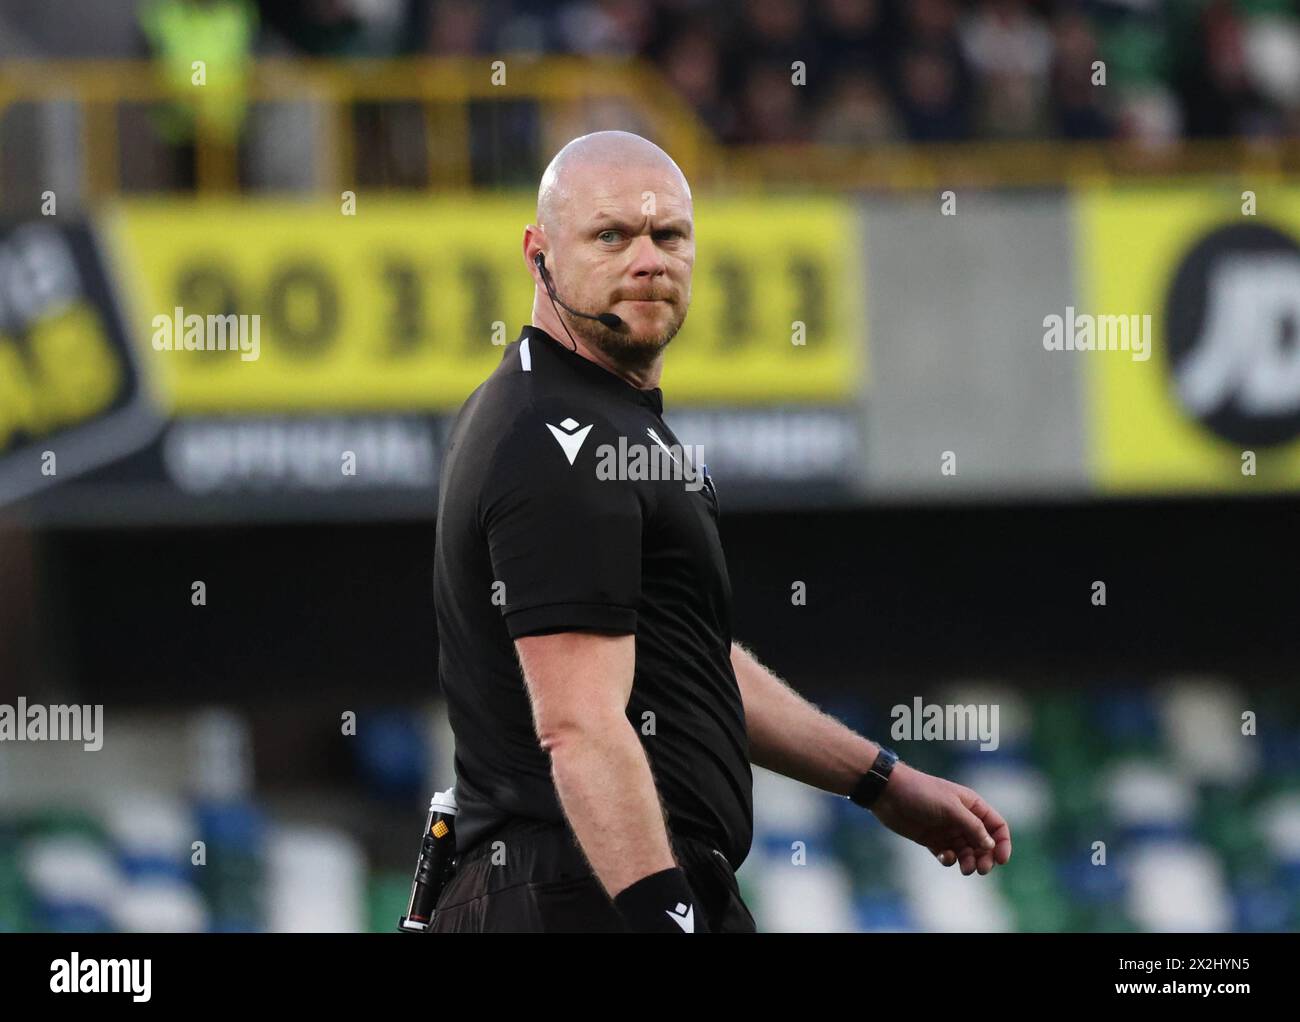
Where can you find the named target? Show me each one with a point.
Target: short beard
(627, 353)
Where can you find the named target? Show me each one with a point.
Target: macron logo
(655, 437)
(570, 441)
(683, 917)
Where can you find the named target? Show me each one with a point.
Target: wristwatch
(874, 780)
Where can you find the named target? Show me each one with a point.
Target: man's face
(626, 245)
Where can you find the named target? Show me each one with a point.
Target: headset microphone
(606, 318)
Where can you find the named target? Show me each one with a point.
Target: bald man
(605, 720)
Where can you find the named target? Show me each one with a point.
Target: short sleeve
(565, 543)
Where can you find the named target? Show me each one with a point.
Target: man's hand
(949, 819)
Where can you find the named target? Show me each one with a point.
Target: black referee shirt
(530, 541)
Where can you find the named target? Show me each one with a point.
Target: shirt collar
(597, 374)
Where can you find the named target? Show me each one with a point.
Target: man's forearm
(608, 795)
(791, 736)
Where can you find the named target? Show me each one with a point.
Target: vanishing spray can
(437, 855)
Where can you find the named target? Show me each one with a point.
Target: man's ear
(534, 236)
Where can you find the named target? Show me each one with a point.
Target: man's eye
(604, 236)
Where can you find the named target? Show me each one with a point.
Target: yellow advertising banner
(407, 304)
(1212, 278)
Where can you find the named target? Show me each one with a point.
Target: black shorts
(531, 877)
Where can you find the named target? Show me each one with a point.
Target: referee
(604, 718)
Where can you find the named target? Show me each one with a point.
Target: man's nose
(647, 258)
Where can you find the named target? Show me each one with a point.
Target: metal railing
(560, 87)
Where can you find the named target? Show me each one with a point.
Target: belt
(522, 826)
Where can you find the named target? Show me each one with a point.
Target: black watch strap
(874, 780)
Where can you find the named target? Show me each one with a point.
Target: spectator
(1216, 92)
(691, 61)
(1010, 53)
(771, 108)
(1077, 101)
(456, 29)
(327, 28)
(618, 28)
(858, 112)
(851, 38)
(219, 33)
(932, 105)
(1272, 52)
(932, 22)
(771, 35)
(933, 82)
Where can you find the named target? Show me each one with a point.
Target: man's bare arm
(792, 737)
(579, 684)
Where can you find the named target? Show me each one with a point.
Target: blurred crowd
(789, 71)
(875, 71)
(930, 70)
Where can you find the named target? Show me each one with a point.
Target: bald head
(590, 158)
(615, 226)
